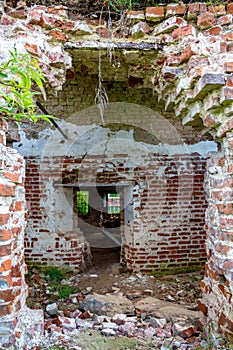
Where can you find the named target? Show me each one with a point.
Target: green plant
(54, 274)
(21, 79)
(65, 290)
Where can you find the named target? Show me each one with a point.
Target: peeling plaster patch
(93, 139)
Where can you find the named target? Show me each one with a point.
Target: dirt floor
(105, 276)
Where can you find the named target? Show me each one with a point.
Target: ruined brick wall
(192, 75)
(17, 322)
(47, 241)
(217, 285)
(166, 230)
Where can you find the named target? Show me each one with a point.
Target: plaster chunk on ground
(163, 309)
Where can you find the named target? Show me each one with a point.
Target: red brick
(7, 20)
(155, 13)
(230, 80)
(228, 66)
(228, 265)
(217, 10)
(176, 9)
(210, 120)
(14, 177)
(102, 32)
(181, 32)
(7, 190)
(230, 8)
(58, 10)
(202, 8)
(226, 322)
(193, 10)
(58, 35)
(18, 205)
(6, 265)
(5, 310)
(202, 307)
(67, 26)
(32, 48)
(136, 15)
(222, 248)
(223, 47)
(230, 47)
(5, 249)
(7, 295)
(228, 36)
(221, 183)
(224, 20)
(5, 234)
(226, 209)
(214, 31)
(206, 20)
(4, 219)
(47, 22)
(16, 271)
(34, 16)
(227, 94)
(187, 54)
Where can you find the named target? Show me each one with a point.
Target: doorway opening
(100, 212)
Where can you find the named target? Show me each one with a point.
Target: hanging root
(101, 100)
(101, 97)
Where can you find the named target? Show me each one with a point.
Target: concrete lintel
(112, 45)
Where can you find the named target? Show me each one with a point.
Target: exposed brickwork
(217, 285)
(169, 213)
(13, 289)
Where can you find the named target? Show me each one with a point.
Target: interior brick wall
(167, 228)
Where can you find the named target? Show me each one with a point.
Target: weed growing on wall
(21, 79)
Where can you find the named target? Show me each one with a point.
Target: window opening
(83, 202)
(113, 203)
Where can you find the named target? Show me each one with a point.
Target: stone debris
(145, 318)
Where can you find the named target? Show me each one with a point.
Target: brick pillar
(217, 285)
(17, 323)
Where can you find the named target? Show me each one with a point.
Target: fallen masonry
(159, 323)
(129, 310)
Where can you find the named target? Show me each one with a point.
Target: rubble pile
(138, 308)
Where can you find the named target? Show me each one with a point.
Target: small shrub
(55, 274)
(65, 290)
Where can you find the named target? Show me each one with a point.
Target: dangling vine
(101, 97)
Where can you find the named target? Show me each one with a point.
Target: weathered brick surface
(217, 285)
(13, 290)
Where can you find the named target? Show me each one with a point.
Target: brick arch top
(191, 45)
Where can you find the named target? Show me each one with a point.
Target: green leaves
(21, 79)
